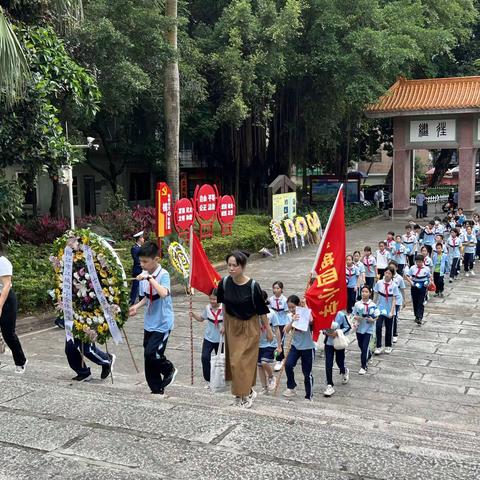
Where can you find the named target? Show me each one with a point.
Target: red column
(466, 163)
(401, 168)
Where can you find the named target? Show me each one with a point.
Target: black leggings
(8, 321)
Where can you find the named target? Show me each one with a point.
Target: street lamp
(66, 176)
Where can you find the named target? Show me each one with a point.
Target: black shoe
(170, 378)
(83, 378)
(418, 321)
(160, 392)
(107, 369)
(60, 323)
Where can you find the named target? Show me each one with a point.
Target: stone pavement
(415, 415)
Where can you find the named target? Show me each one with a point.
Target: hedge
(33, 275)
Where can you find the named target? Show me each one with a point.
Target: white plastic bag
(217, 369)
(340, 342)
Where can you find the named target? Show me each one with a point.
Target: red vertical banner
(226, 211)
(163, 202)
(328, 293)
(205, 200)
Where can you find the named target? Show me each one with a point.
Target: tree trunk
(55, 195)
(172, 104)
(441, 164)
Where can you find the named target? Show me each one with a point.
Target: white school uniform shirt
(383, 258)
(390, 244)
(410, 242)
(6, 269)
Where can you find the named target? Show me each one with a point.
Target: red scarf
(367, 264)
(216, 315)
(386, 290)
(418, 271)
(366, 308)
(278, 304)
(349, 272)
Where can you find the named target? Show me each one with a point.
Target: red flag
(203, 276)
(328, 293)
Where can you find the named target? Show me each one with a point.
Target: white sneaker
(207, 386)
(21, 368)
(467, 274)
(278, 366)
(329, 391)
(388, 350)
(247, 401)
(264, 391)
(362, 371)
(473, 273)
(425, 302)
(450, 280)
(395, 339)
(289, 393)
(378, 351)
(346, 377)
(272, 384)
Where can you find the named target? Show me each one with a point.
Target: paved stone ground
(415, 415)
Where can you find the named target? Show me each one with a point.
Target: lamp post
(66, 174)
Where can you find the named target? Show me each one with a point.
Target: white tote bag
(340, 342)
(217, 369)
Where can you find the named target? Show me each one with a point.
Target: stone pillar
(401, 168)
(466, 163)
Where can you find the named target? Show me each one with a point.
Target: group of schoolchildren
(421, 258)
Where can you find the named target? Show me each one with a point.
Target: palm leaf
(67, 13)
(13, 64)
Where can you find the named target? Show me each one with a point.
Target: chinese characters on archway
(433, 130)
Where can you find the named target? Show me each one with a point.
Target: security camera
(90, 140)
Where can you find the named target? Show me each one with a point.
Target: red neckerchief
(349, 272)
(366, 307)
(418, 271)
(386, 290)
(278, 305)
(398, 252)
(454, 245)
(367, 264)
(216, 315)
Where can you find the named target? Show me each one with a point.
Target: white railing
(431, 199)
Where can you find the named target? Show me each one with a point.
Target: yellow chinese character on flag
(328, 294)
(330, 308)
(328, 260)
(326, 277)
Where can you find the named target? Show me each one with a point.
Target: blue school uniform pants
(207, 348)
(157, 366)
(468, 261)
(363, 340)
(388, 321)
(330, 355)
(306, 357)
(418, 297)
(74, 351)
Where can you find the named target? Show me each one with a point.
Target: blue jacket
(444, 266)
(137, 269)
(343, 324)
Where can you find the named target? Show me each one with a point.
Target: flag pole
(190, 304)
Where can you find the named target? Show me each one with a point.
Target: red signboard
(163, 201)
(183, 214)
(226, 213)
(206, 201)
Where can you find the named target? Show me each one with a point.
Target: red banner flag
(328, 292)
(203, 277)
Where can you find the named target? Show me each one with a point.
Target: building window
(140, 187)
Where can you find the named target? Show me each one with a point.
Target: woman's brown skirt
(241, 353)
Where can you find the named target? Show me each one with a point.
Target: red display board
(163, 203)
(183, 217)
(205, 200)
(226, 211)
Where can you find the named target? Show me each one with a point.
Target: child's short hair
(214, 292)
(439, 244)
(454, 230)
(148, 250)
(408, 226)
(393, 262)
(367, 249)
(356, 251)
(381, 242)
(419, 258)
(391, 233)
(294, 299)
(416, 226)
(351, 256)
(366, 287)
(431, 222)
(278, 284)
(391, 270)
(398, 236)
(265, 297)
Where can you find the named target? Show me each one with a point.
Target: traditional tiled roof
(433, 94)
